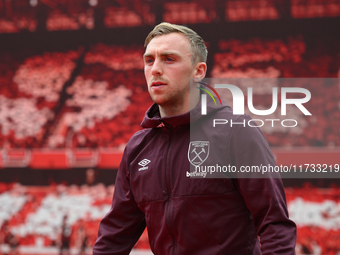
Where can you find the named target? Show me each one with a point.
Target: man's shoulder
(138, 142)
(138, 137)
(226, 116)
(225, 112)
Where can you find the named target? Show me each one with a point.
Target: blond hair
(198, 48)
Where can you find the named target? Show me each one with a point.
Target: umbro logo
(143, 164)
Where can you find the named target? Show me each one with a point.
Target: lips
(158, 84)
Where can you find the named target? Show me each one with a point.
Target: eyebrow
(167, 53)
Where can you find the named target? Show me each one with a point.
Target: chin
(159, 100)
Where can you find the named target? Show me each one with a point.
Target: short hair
(198, 48)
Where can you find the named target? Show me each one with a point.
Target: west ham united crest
(198, 152)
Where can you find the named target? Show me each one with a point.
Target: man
(7, 237)
(65, 237)
(191, 215)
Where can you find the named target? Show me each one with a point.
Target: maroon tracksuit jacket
(199, 216)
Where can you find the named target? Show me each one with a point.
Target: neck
(171, 111)
(174, 110)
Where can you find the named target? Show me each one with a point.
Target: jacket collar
(152, 118)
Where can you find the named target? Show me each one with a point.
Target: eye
(148, 61)
(168, 59)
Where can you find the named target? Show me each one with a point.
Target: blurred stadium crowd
(34, 216)
(45, 103)
(103, 106)
(25, 15)
(95, 96)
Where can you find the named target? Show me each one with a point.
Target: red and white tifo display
(34, 215)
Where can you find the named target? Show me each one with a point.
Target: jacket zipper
(169, 187)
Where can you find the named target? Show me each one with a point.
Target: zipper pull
(161, 125)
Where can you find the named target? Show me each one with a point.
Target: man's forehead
(171, 43)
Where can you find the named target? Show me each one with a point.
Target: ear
(200, 70)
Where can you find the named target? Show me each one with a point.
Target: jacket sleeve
(263, 194)
(122, 226)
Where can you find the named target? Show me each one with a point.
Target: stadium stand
(257, 58)
(36, 213)
(75, 104)
(110, 86)
(316, 212)
(121, 17)
(58, 20)
(30, 96)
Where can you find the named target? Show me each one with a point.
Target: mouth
(158, 84)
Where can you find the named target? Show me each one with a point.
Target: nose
(157, 68)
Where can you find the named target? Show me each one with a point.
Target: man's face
(168, 69)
